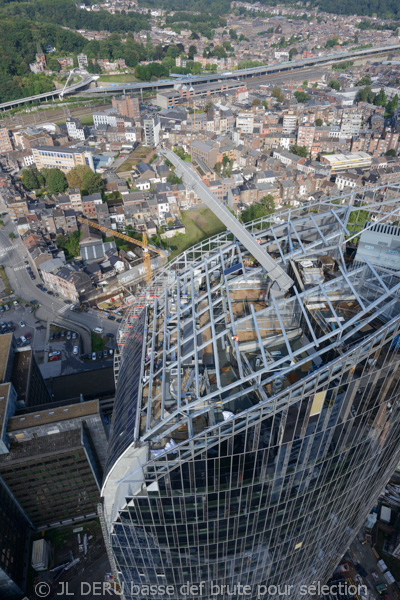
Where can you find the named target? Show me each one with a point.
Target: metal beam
(274, 270)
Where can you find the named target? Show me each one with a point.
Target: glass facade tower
(253, 430)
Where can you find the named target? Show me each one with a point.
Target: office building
(61, 157)
(19, 368)
(343, 162)
(15, 532)
(256, 419)
(54, 464)
(127, 106)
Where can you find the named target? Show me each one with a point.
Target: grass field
(97, 342)
(87, 120)
(200, 224)
(7, 287)
(120, 78)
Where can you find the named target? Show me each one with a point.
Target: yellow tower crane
(143, 244)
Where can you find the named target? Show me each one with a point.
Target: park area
(118, 78)
(200, 224)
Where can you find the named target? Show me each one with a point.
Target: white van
(98, 330)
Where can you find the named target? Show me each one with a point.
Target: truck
(41, 552)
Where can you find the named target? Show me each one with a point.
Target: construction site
(257, 388)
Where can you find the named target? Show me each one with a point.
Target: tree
(255, 211)
(256, 102)
(218, 167)
(225, 160)
(53, 64)
(365, 95)
(334, 84)
(391, 152)
(305, 84)
(301, 97)
(380, 99)
(278, 94)
(30, 178)
(366, 80)
(332, 42)
(75, 176)
(318, 122)
(300, 150)
(232, 34)
(56, 182)
(192, 51)
(70, 244)
(174, 179)
(11, 236)
(93, 183)
(391, 106)
(269, 203)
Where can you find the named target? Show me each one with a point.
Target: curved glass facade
(266, 424)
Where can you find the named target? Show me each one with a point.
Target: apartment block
(5, 141)
(127, 106)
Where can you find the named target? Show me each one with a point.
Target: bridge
(67, 90)
(207, 78)
(246, 73)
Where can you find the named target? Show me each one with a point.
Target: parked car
(28, 336)
(111, 318)
(119, 320)
(69, 335)
(111, 352)
(39, 285)
(93, 355)
(53, 358)
(99, 354)
(74, 335)
(105, 353)
(63, 333)
(75, 350)
(22, 323)
(15, 303)
(6, 307)
(52, 336)
(360, 569)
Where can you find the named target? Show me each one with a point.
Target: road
(263, 70)
(71, 89)
(12, 256)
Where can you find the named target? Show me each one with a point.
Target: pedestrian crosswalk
(19, 268)
(63, 309)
